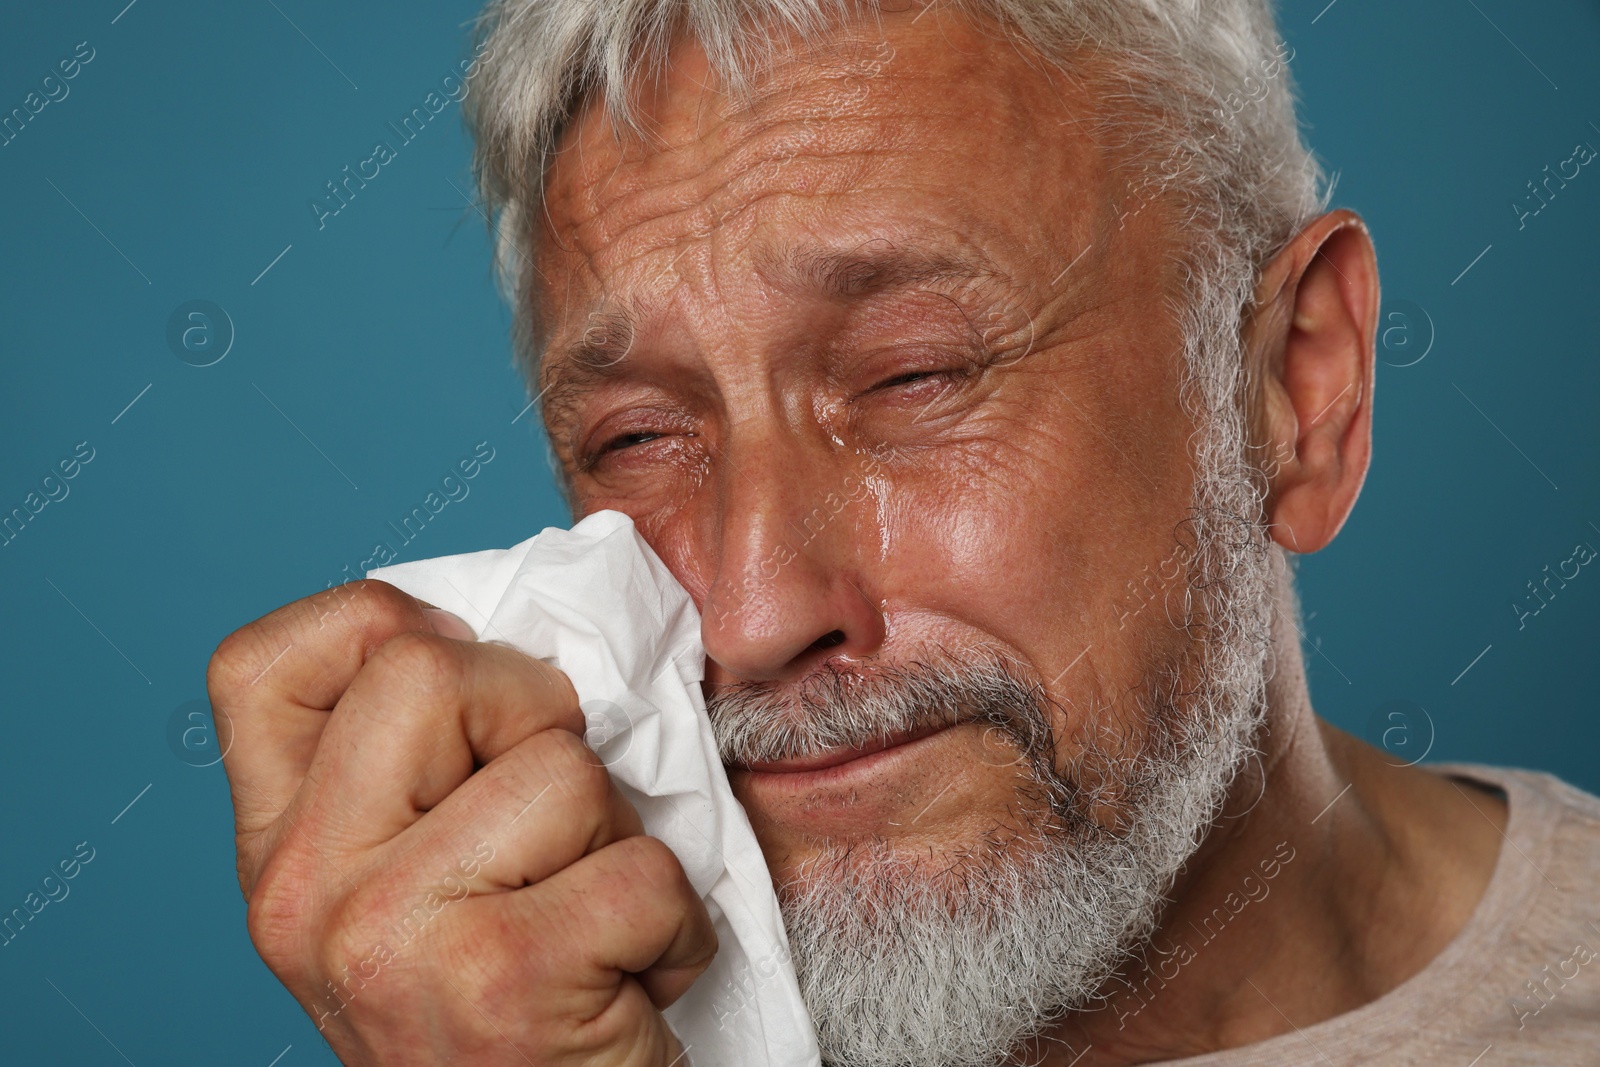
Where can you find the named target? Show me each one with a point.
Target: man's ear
(1310, 341)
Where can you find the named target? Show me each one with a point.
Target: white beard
(906, 961)
(957, 967)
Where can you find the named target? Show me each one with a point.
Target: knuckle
(549, 683)
(655, 865)
(279, 912)
(574, 768)
(424, 663)
(563, 695)
(371, 602)
(511, 786)
(237, 660)
(370, 605)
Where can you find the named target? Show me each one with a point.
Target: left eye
(628, 440)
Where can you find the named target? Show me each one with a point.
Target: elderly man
(977, 367)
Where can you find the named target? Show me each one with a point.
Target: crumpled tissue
(596, 602)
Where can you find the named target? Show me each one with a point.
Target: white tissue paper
(596, 602)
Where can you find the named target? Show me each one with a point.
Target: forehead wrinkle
(875, 265)
(689, 162)
(688, 189)
(622, 204)
(799, 87)
(693, 117)
(622, 241)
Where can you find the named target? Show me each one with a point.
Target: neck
(1331, 876)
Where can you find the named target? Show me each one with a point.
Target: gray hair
(1203, 109)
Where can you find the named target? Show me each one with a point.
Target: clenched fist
(436, 865)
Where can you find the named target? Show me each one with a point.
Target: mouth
(838, 758)
(870, 789)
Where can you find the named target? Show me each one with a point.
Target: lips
(839, 756)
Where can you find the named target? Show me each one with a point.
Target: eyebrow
(595, 355)
(873, 267)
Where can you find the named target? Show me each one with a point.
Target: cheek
(1033, 534)
(978, 533)
(678, 522)
(995, 549)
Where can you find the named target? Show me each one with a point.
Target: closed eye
(628, 440)
(943, 378)
(907, 379)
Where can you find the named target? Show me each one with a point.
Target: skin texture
(874, 379)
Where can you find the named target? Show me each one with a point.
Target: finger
(276, 678)
(626, 908)
(421, 715)
(530, 813)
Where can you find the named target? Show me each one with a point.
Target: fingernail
(447, 625)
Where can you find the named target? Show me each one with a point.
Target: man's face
(866, 410)
(886, 368)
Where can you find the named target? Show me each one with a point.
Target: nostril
(828, 640)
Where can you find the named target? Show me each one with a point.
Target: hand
(436, 866)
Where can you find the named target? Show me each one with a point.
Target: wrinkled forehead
(932, 123)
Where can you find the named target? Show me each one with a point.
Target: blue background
(371, 356)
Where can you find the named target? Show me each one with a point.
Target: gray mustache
(839, 707)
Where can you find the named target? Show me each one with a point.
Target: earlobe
(1314, 399)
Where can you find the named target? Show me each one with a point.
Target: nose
(798, 526)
